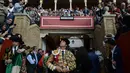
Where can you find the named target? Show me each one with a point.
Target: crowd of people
(20, 58)
(96, 11)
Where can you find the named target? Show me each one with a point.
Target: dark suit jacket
(95, 62)
(117, 56)
(84, 65)
(39, 56)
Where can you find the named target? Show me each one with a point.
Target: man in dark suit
(95, 61)
(83, 62)
(117, 63)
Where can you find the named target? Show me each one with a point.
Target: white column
(114, 1)
(41, 2)
(55, 1)
(85, 2)
(128, 1)
(70, 4)
(100, 1)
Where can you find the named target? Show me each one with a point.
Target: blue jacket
(95, 62)
(118, 58)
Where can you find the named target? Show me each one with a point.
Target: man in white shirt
(32, 61)
(18, 7)
(10, 8)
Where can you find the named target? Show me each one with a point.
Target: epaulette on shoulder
(56, 52)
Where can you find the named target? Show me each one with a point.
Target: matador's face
(63, 43)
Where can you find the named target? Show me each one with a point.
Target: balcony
(48, 22)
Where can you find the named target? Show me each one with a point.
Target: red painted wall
(56, 23)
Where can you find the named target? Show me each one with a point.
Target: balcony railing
(48, 22)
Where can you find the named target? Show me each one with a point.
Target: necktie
(63, 55)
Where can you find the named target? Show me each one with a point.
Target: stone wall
(109, 24)
(33, 35)
(107, 27)
(30, 33)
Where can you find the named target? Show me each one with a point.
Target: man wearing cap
(62, 60)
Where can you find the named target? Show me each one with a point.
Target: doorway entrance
(52, 41)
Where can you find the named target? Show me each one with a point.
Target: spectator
(86, 11)
(128, 9)
(115, 10)
(117, 63)
(18, 7)
(95, 61)
(91, 13)
(10, 8)
(81, 12)
(32, 61)
(10, 20)
(5, 30)
(123, 9)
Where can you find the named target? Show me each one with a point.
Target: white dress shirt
(113, 55)
(31, 61)
(14, 49)
(36, 58)
(10, 10)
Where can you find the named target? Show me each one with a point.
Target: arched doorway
(52, 41)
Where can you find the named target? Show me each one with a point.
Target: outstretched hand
(65, 70)
(59, 69)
